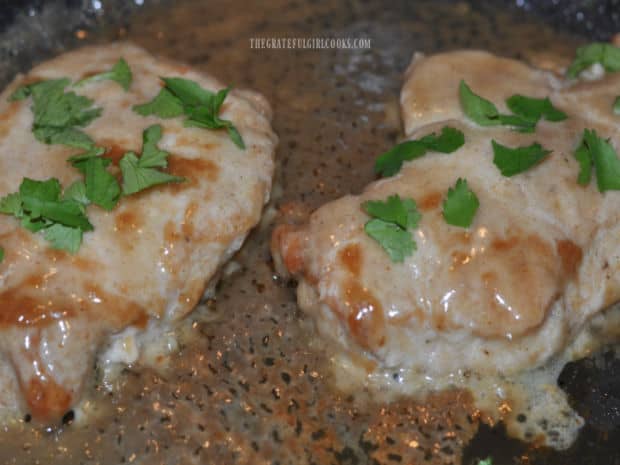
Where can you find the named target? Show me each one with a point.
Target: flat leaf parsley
(390, 224)
(527, 111)
(58, 114)
(511, 161)
(594, 151)
(389, 163)
(460, 205)
(143, 172)
(120, 73)
(201, 106)
(607, 55)
(39, 206)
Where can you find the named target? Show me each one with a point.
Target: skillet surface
(251, 384)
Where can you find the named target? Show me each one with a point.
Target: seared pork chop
(506, 294)
(147, 261)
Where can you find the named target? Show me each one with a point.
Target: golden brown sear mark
(46, 399)
(503, 245)
(571, 255)
(128, 220)
(192, 168)
(430, 201)
(21, 309)
(365, 316)
(351, 258)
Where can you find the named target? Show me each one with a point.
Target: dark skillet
(33, 30)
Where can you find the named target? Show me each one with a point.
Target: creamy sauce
(252, 383)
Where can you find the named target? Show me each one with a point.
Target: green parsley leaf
(41, 199)
(77, 192)
(40, 190)
(582, 154)
(55, 108)
(604, 159)
(39, 207)
(450, 140)
(12, 205)
(57, 113)
(394, 210)
(478, 109)
(485, 113)
(141, 173)
(617, 105)
(63, 237)
(534, 109)
(527, 111)
(201, 106)
(136, 178)
(395, 241)
(598, 52)
(487, 461)
(101, 187)
(164, 105)
(93, 151)
(120, 72)
(389, 163)
(189, 92)
(390, 223)
(206, 116)
(66, 136)
(22, 93)
(1, 254)
(234, 135)
(42, 88)
(518, 123)
(460, 205)
(511, 161)
(153, 157)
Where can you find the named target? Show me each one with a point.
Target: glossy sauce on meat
(253, 382)
(148, 261)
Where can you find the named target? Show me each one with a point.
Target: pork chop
(504, 295)
(149, 260)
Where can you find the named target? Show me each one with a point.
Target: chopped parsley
(389, 163)
(1, 254)
(63, 237)
(478, 109)
(460, 205)
(201, 106)
(616, 107)
(598, 52)
(94, 151)
(511, 161)
(142, 173)
(594, 151)
(527, 111)
(583, 157)
(59, 114)
(39, 206)
(534, 109)
(77, 192)
(120, 72)
(164, 105)
(390, 224)
(100, 186)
